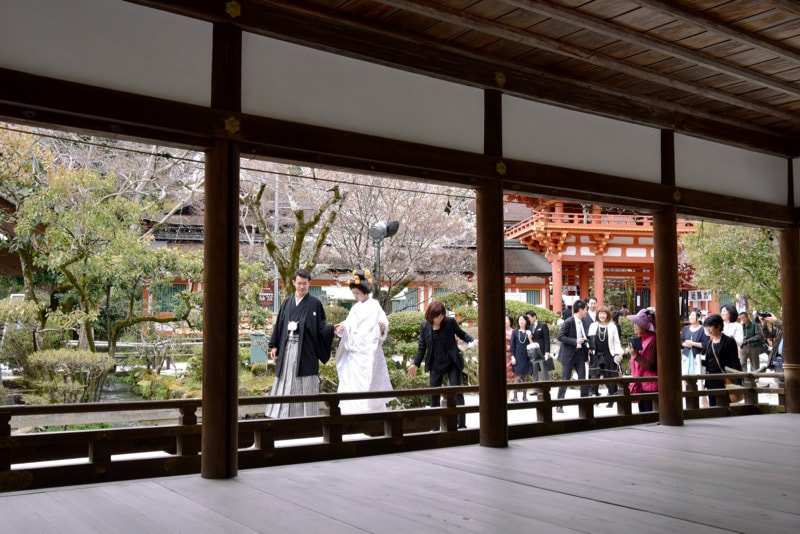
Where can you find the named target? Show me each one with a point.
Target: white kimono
(359, 359)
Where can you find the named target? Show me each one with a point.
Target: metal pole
(377, 243)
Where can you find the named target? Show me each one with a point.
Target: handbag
(534, 352)
(549, 364)
(730, 385)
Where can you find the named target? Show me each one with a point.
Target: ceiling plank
(703, 20)
(444, 14)
(613, 30)
(790, 6)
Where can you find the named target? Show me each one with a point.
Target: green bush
(400, 380)
(452, 301)
(20, 319)
(466, 313)
(404, 325)
(335, 314)
(68, 376)
(515, 308)
(259, 369)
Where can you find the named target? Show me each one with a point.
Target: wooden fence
(36, 460)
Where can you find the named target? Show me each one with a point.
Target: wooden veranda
(684, 107)
(734, 474)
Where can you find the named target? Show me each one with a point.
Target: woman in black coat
(721, 351)
(520, 337)
(437, 345)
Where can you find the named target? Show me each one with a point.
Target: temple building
(591, 248)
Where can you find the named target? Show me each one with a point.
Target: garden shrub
(466, 313)
(452, 301)
(335, 314)
(20, 319)
(69, 376)
(404, 325)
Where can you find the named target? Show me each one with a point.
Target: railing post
(624, 406)
(544, 412)
(187, 445)
(100, 453)
(448, 423)
(5, 432)
(332, 432)
(692, 402)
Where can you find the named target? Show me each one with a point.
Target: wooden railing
(38, 460)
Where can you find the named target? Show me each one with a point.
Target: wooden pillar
(546, 301)
(599, 286)
(491, 326)
(665, 270)
(790, 315)
(221, 268)
(670, 403)
(491, 282)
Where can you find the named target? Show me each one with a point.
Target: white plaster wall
(111, 44)
(300, 84)
(547, 134)
(722, 169)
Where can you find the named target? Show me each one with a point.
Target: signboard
(699, 295)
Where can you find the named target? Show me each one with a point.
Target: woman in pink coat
(644, 361)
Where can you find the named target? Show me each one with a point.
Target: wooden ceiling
(727, 70)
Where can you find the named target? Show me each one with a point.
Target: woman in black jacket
(437, 344)
(721, 351)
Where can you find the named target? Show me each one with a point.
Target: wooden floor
(734, 474)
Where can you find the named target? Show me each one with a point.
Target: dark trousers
(599, 368)
(454, 379)
(579, 364)
(645, 406)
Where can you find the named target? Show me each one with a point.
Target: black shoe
(559, 409)
(610, 405)
(461, 427)
(435, 429)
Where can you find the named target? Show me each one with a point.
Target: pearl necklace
(521, 335)
(601, 333)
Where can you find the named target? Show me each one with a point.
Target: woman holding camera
(643, 359)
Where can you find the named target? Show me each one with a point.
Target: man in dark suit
(541, 335)
(574, 348)
(300, 340)
(437, 344)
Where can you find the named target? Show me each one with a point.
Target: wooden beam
(609, 29)
(703, 20)
(330, 31)
(516, 35)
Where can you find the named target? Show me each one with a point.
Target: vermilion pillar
(558, 284)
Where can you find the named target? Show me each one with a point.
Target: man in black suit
(541, 335)
(574, 348)
(437, 345)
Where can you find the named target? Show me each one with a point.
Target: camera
(763, 314)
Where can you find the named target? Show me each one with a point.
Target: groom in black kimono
(300, 340)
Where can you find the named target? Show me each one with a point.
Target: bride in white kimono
(360, 362)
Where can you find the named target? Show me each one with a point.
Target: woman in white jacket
(360, 362)
(605, 348)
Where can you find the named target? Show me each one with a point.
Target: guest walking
(438, 346)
